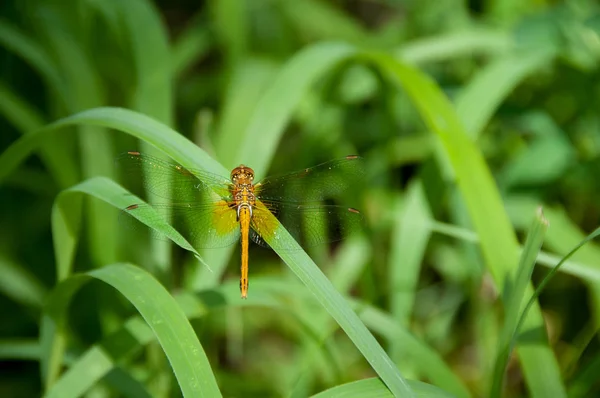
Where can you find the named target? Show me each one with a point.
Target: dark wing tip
(134, 153)
(350, 157)
(132, 207)
(353, 210)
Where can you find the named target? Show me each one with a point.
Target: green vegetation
(476, 272)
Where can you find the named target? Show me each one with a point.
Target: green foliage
(470, 117)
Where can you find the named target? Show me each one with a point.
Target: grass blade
(160, 311)
(148, 42)
(191, 45)
(376, 389)
(410, 236)
(498, 243)
(544, 282)
(18, 284)
(454, 45)
(514, 294)
(275, 108)
(140, 126)
(66, 218)
(478, 101)
(318, 284)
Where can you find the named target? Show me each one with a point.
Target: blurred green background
(282, 85)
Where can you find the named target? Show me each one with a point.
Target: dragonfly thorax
(243, 189)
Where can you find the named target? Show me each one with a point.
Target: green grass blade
(83, 89)
(545, 281)
(18, 112)
(124, 383)
(513, 297)
(318, 284)
(152, 91)
(309, 273)
(498, 241)
(22, 350)
(232, 28)
(101, 359)
(160, 311)
(95, 361)
(149, 130)
(376, 389)
(26, 119)
(266, 293)
(350, 261)
(424, 358)
(66, 223)
(277, 105)
(454, 45)
(248, 84)
(478, 101)
(320, 20)
(106, 355)
(151, 54)
(586, 271)
(20, 285)
(66, 218)
(584, 384)
(190, 46)
(60, 164)
(34, 54)
(564, 235)
(410, 236)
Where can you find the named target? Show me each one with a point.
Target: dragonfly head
(242, 175)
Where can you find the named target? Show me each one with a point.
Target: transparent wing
(327, 180)
(309, 224)
(204, 226)
(170, 180)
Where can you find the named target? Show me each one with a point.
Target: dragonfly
(212, 211)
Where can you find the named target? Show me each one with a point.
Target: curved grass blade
(20, 285)
(34, 54)
(427, 360)
(323, 21)
(276, 106)
(140, 126)
(454, 45)
(26, 119)
(247, 86)
(497, 238)
(84, 90)
(266, 292)
(190, 45)
(152, 92)
(478, 101)
(375, 388)
(160, 311)
(66, 217)
(104, 357)
(333, 302)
